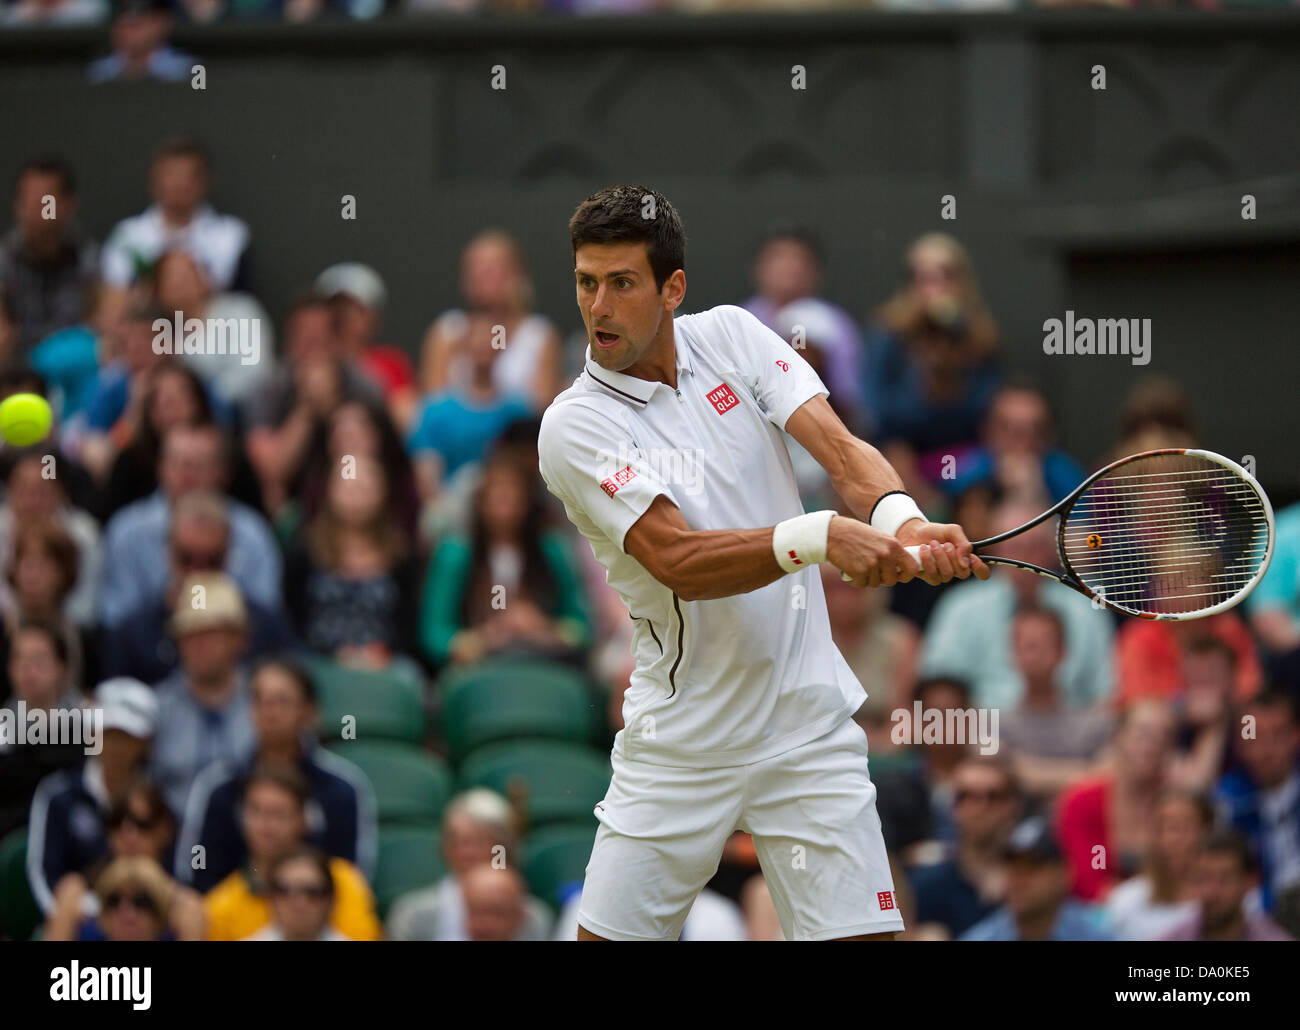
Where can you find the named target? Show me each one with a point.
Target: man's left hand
(946, 553)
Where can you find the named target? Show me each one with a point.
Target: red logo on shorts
(886, 899)
(723, 399)
(619, 478)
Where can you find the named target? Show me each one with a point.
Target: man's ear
(674, 291)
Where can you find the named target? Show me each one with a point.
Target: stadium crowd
(358, 675)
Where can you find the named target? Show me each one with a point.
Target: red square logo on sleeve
(723, 399)
(886, 899)
(611, 484)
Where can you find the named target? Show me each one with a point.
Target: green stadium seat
(410, 857)
(555, 858)
(411, 785)
(19, 914)
(386, 704)
(506, 699)
(561, 782)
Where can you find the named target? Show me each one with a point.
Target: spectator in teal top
(509, 586)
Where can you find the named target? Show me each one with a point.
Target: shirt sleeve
(779, 376)
(590, 462)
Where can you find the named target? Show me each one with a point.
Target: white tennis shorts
(812, 814)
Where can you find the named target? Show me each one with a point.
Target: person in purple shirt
(1224, 873)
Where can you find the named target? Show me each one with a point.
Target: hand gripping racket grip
(914, 551)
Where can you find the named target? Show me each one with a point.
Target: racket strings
(1167, 534)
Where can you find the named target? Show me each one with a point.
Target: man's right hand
(870, 557)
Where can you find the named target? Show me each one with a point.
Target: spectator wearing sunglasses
(134, 899)
(302, 895)
(275, 823)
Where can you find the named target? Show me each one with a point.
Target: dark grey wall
(1122, 203)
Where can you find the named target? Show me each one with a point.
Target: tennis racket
(1171, 534)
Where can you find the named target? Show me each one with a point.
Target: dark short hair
(615, 215)
(50, 630)
(183, 146)
(783, 230)
(57, 543)
(1275, 697)
(305, 853)
(1030, 610)
(1205, 644)
(1225, 841)
(292, 668)
(953, 682)
(281, 775)
(49, 165)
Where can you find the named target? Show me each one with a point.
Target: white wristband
(801, 541)
(892, 510)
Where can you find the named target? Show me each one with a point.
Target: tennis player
(739, 713)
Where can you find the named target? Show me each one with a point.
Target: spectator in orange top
(1151, 656)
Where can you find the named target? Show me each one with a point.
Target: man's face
(197, 546)
(180, 184)
(984, 805)
(494, 908)
(273, 820)
(301, 900)
(34, 669)
(467, 843)
(280, 712)
(190, 461)
(122, 752)
(1018, 423)
(1271, 757)
(1037, 646)
(29, 493)
(621, 307)
(210, 654)
(1034, 886)
(29, 203)
(785, 271)
(1145, 741)
(1221, 886)
(310, 334)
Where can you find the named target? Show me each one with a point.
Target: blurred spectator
(495, 284)
(1156, 413)
(204, 708)
(969, 633)
(1050, 745)
(930, 368)
(1106, 821)
(1205, 707)
(274, 821)
(37, 671)
(199, 542)
(457, 426)
(238, 339)
(302, 897)
(67, 831)
(1017, 453)
(140, 50)
(357, 296)
(1154, 903)
(61, 13)
(341, 811)
(478, 831)
(1225, 871)
(1037, 907)
(915, 799)
(140, 829)
(48, 267)
(352, 584)
(136, 902)
(180, 216)
(496, 906)
(1150, 656)
(787, 268)
(1274, 605)
(511, 585)
(136, 538)
(1261, 798)
(967, 886)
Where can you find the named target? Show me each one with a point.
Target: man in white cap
(67, 831)
(204, 707)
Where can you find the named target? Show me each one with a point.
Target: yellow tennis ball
(25, 419)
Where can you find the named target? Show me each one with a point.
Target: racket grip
(914, 551)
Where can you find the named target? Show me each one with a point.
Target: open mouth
(605, 339)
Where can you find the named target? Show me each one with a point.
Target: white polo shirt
(731, 680)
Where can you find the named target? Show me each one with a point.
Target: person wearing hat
(357, 296)
(204, 712)
(67, 831)
(1037, 907)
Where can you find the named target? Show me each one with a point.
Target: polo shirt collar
(639, 390)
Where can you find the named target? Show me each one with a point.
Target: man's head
(1019, 421)
(986, 800)
(1036, 875)
(1223, 873)
(309, 330)
(944, 693)
(274, 813)
(1209, 675)
(301, 887)
(1036, 546)
(629, 254)
(193, 458)
(210, 624)
(1037, 644)
(38, 662)
(788, 265)
(494, 274)
(200, 534)
(477, 824)
(284, 703)
(130, 716)
(1271, 755)
(39, 218)
(494, 903)
(356, 295)
(181, 170)
(1143, 741)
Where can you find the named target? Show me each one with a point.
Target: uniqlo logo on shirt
(886, 899)
(619, 478)
(723, 399)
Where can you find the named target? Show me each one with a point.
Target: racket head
(1170, 534)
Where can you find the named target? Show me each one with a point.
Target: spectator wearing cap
(1224, 874)
(495, 284)
(67, 829)
(136, 538)
(48, 267)
(789, 267)
(204, 707)
(357, 297)
(274, 821)
(198, 542)
(38, 672)
(302, 895)
(180, 176)
(1261, 798)
(341, 813)
(1037, 906)
(967, 886)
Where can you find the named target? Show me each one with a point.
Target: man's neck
(1037, 926)
(1040, 696)
(216, 690)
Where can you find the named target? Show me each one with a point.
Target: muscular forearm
(861, 475)
(719, 563)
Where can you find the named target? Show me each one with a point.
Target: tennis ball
(25, 419)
